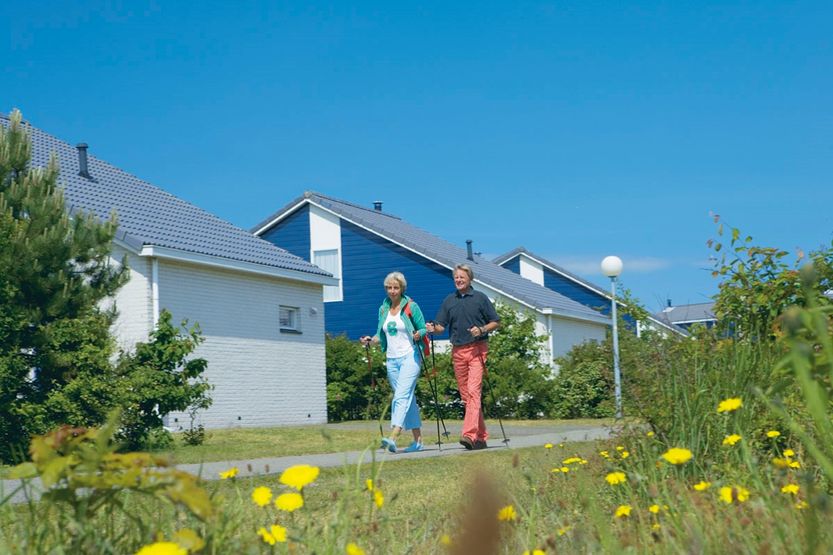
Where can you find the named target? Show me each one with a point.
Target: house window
(329, 260)
(290, 319)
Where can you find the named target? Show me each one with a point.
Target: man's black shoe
(467, 443)
(480, 444)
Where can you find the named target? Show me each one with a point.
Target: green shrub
(353, 392)
(584, 385)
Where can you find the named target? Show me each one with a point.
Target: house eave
(167, 253)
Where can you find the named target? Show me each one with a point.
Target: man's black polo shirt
(459, 312)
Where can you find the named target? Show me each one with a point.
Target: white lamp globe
(612, 266)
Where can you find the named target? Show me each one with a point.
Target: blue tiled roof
(446, 254)
(148, 215)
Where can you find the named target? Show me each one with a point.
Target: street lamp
(612, 267)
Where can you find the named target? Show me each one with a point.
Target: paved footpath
(520, 436)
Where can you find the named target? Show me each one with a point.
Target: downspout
(154, 290)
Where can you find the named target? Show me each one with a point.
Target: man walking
(469, 316)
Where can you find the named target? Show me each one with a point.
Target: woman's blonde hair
(397, 277)
(465, 268)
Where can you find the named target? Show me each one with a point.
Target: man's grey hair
(465, 268)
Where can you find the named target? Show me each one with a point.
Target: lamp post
(612, 267)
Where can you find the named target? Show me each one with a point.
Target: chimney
(83, 171)
(669, 303)
(469, 254)
(377, 205)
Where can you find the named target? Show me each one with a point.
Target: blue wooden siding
(513, 264)
(366, 260)
(292, 233)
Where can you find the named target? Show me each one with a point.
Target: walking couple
(469, 316)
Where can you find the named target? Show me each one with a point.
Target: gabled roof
(156, 221)
(581, 281)
(689, 313)
(442, 252)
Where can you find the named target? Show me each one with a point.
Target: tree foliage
(759, 283)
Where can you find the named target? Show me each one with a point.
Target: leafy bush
(158, 378)
(353, 392)
(584, 385)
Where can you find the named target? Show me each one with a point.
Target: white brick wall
(135, 319)
(261, 376)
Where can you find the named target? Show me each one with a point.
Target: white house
(259, 307)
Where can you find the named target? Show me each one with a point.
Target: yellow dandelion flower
(656, 527)
(654, 509)
(534, 552)
(563, 469)
(163, 548)
(620, 448)
(275, 534)
(789, 453)
(507, 513)
(624, 454)
(563, 530)
(677, 455)
(445, 539)
(289, 502)
(731, 439)
(230, 473)
(794, 464)
(369, 484)
(378, 497)
(650, 434)
(622, 511)
(353, 549)
(702, 485)
(615, 478)
(548, 446)
(261, 496)
(299, 475)
(731, 494)
(583, 461)
(801, 505)
(772, 434)
(729, 405)
(571, 460)
(790, 488)
(604, 454)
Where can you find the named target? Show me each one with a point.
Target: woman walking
(401, 325)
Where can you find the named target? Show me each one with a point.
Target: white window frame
(332, 293)
(295, 319)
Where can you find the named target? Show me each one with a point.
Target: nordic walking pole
(494, 399)
(372, 386)
(434, 392)
(436, 385)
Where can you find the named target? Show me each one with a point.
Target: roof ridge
(308, 194)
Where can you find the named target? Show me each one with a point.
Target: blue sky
(575, 129)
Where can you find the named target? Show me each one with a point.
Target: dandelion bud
(792, 320)
(808, 275)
